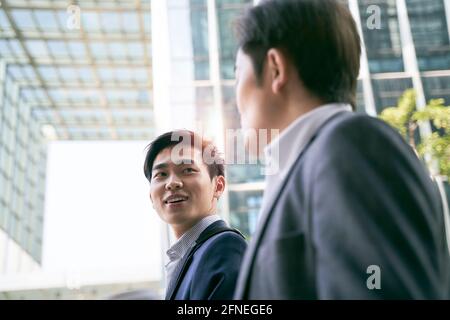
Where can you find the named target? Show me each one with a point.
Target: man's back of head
(318, 36)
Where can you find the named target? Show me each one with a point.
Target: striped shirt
(177, 251)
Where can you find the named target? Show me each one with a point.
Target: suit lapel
(249, 256)
(187, 259)
(265, 213)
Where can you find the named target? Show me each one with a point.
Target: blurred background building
(129, 70)
(68, 71)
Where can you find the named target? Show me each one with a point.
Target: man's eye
(188, 170)
(159, 174)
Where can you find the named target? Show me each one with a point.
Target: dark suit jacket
(357, 196)
(212, 270)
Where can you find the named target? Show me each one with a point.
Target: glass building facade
(429, 28)
(410, 50)
(67, 72)
(22, 170)
(383, 45)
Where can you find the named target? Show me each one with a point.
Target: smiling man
(187, 178)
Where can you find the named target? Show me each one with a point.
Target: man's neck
(181, 229)
(294, 110)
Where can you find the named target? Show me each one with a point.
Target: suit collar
(186, 260)
(187, 240)
(284, 149)
(249, 257)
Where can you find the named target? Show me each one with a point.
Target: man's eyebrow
(180, 162)
(160, 166)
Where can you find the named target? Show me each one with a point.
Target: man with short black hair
(352, 212)
(187, 178)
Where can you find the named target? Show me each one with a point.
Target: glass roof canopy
(88, 83)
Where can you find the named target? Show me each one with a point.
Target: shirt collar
(187, 240)
(281, 153)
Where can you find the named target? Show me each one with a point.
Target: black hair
(319, 37)
(172, 138)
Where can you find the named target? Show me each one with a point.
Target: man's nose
(174, 183)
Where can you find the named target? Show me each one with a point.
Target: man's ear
(151, 200)
(277, 68)
(220, 186)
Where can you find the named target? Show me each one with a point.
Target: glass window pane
(98, 50)
(4, 48)
(199, 24)
(77, 49)
(437, 88)
(117, 50)
(130, 22)
(57, 48)
(4, 23)
(68, 73)
(244, 209)
(383, 45)
(90, 21)
(16, 47)
(430, 33)
(388, 91)
(227, 12)
(135, 49)
(23, 19)
(37, 48)
(48, 73)
(110, 21)
(3, 210)
(46, 19)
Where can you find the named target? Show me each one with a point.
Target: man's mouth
(175, 199)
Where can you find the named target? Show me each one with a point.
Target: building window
(430, 33)
(227, 12)
(3, 210)
(244, 210)
(437, 88)
(388, 91)
(199, 29)
(383, 46)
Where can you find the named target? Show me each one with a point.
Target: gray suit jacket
(357, 196)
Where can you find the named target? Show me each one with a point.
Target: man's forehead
(185, 155)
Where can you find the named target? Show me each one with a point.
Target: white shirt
(177, 251)
(282, 152)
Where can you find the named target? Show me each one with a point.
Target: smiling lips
(175, 198)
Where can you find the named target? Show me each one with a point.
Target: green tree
(406, 119)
